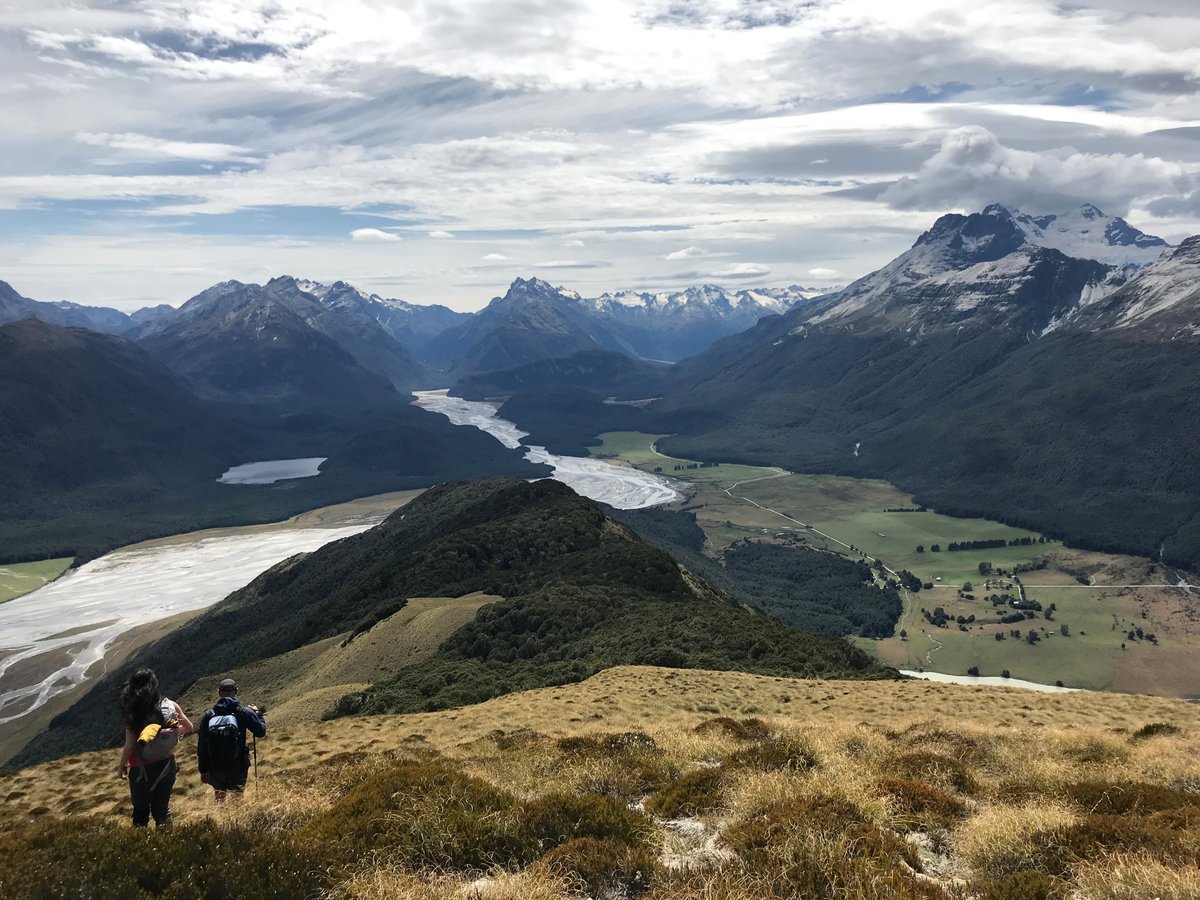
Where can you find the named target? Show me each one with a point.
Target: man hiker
(221, 752)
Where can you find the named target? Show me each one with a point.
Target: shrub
(936, 768)
(1059, 851)
(923, 805)
(1024, 885)
(606, 744)
(822, 846)
(1154, 729)
(424, 814)
(98, 860)
(743, 730)
(693, 793)
(772, 754)
(1105, 798)
(602, 867)
(558, 818)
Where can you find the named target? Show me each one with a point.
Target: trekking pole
(254, 747)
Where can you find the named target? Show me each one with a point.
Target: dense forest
(582, 593)
(100, 446)
(820, 592)
(1084, 437)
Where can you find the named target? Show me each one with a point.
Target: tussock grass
(928, 793)
(1120, 877)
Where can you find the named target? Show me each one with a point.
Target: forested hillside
(582, 594)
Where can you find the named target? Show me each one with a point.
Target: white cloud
(495, 257)
(688, 253)
(824, 273)
(973, 168)
(441, 234)
(573, 244)
(743, 270)
(374, 234)
(143, 146)
(572, 264)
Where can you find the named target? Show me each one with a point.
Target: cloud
(743, 270)
(495, 257)
(688, 253)
(973, 168)
(374, 234)
(146, 147)
(573, 264)
(823, 273)
(573, 244)
(441, 234)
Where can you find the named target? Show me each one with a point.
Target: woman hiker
(153, 726)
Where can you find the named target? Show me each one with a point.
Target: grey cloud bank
(164, 145)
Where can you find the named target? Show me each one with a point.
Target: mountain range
(984, 370)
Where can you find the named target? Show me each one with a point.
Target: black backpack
(223, 736)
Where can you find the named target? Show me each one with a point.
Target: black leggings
(149, 797)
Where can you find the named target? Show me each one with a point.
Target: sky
(434, 151)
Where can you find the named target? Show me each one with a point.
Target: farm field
(21, 578)
(1126, 592)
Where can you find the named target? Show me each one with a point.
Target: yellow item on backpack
(149, 733)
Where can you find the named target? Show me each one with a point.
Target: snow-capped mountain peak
(1085, 233)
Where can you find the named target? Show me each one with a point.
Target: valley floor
(747, 787)
(871, 519)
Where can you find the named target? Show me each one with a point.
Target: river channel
(57, 638)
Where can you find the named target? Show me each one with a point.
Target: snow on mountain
(1162, 299)
(980, 269)
(1086, 233)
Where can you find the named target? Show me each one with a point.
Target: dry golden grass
(1005, 766)
(1136, 878)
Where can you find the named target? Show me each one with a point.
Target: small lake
(621, 486)
(273, 470)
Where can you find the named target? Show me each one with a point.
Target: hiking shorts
(231, 780)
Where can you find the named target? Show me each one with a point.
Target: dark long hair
(140, 699)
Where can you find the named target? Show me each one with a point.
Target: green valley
(1101, 599)
(23, 578)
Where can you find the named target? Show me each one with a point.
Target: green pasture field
(636, 449)
(1097, 619)
(851, 510)
(22, 578)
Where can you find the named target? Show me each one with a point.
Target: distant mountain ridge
(537, 320)
(14, 308)
(978, 270)
(279, 343)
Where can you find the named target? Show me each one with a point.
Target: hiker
(221, 754)
(153, 726)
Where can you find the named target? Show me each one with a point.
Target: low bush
(741, 730)
(773, 753)
(1060, 851)
(602, 867)
(1154, 729)
(98, 860)
(936, 768)
(921, 805)
(1106, 798)
(695, 792)
(557, 818)
(1029, 884)
(823, 846)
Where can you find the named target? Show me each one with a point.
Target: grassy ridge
(583, 594)
(899, 792)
